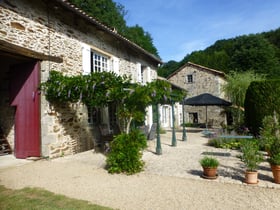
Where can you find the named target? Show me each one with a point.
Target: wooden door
(25, 97)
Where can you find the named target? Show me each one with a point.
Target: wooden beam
(15, 49)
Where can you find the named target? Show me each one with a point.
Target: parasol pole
(206, 119)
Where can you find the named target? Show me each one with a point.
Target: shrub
(251, 155)
(209, 162)
(269, 132)
(162, 130)
(225, 143)
(275, 159)
(262, 99)
(275, 152)
(126, 153)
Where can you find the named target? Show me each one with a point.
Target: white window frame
(104, 63)
(99, 62)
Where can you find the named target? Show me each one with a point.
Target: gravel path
(170, 181)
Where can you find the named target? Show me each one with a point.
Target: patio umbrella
(206, 99)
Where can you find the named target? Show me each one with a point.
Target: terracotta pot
(276, 173)
(251, 177)
(210, 172)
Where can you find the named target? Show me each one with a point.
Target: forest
(259, 53)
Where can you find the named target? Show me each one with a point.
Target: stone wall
(204, 81)
(43, 28)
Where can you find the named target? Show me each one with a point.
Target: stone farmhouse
(39, 36)
(197, 79)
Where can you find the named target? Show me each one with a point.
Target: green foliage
(100, 88)
(162, 130)
(96, 89)
(162, 93)
(235, 89)
(268, 132)
(259, 53)
(251, 155)
(168, 68)
(113, 15)
(209, 162)
(237, 85)
(262, 99)
(275, 151)
(275, 159)
(106, 11)
(226, 143)
(254, 52)
(142, 38)
(126, 153)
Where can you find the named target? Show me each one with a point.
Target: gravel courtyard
(170, 181)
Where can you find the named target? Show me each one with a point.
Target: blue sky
(179, 27)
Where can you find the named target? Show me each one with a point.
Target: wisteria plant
(101, 88)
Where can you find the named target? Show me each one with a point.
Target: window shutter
(86, 59)
(116, 65)
(138, 69)
(149, 74)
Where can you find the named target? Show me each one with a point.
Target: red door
(25, 97)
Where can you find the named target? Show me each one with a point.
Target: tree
(139, 36)
(254, 52)
(236, 87)
(167, 68)
(113, 15)
(106, 11)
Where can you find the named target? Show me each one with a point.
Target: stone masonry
(205, 80)
(48, 28)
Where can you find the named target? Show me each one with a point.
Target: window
(189, 78)
(94, 116)
(164, 114)
(99, 63)
(95, 61)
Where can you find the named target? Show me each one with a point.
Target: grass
(35, 198)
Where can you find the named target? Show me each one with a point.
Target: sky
(179, 27)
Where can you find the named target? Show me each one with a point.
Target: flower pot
(209, 173)
(276, 173)
(251, 177)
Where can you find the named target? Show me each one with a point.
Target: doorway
(21, 122)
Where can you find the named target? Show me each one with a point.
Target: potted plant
(251, 157)
(209, 165)
(274, 160)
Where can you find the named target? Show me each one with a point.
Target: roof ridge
(204, 67)
(198, 66)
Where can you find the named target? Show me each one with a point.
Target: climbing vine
(100, 88)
